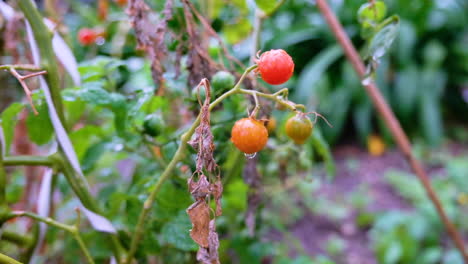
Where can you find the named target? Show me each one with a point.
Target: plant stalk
(73, 230)
(7, 260)
(44, 42)
(391, 122)
(24, 160)
(178, 156)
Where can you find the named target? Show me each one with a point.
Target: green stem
(7, 260)
(15, 238)
(2, 180)
(23, 67)
(73, 230)
(277, 97)
(24, 160)
(178, 156)
(43, 37)
(83, 247)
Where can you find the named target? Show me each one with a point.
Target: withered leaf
(202, 140)
(199, 213)
(210, 255)
(150, 36)
(199, 189)
(217, 191)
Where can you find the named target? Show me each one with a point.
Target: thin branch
(20, 67)
(26, 160)
(257, 105)
(21, 79)
(391, 121)
(72, 229)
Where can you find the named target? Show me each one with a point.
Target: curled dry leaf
(204, 230)
(149, 39)
(217, 191)
(199, 189)
(210, 255)
(202, 140)
(199, 214)
(199, 62)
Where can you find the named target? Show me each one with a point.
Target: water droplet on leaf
(250, 156)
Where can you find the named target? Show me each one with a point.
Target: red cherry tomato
(275, 66)
(249, 135)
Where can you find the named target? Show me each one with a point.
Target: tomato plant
(156, 134)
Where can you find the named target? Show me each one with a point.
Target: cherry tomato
(153, 125)
(271, 125)
(299, 128)
(87, 36)
(222, 81)
(275, 66)
(249, 135)
(121, 2)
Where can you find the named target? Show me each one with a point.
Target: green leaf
(453, 257)
(119, 107)
(431, 255)
(393, 254)
(363, 119)
(8, 121)
(434, 54)
(83, 138)
(369, 14)
(431, 119)
(99, 68)
(176, 233)
(238, 31)
(406, 91)
(40, 129)
(406, 42)
(313, 72)
(92, 155)
(266, 5)
(235, 196)
(383, 39)
(171, 199)
(322, 148)
(92, 92)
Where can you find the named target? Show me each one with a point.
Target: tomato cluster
(250, 135)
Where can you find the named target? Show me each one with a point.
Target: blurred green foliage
(421, 77)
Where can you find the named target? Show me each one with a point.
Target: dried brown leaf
(217, 191)
(210, 255)
(150, 37)
(199, 63)
(199, 189)
(202, 140)
(199, 213)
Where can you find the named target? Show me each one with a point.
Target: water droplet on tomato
(100, 41)
(251, 155)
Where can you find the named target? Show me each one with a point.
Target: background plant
(106, 111)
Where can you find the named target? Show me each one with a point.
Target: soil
(355, 167)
